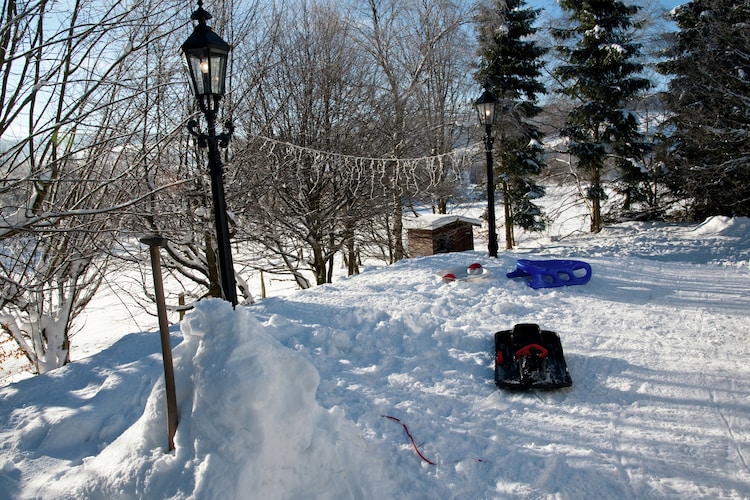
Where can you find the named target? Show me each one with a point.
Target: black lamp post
(487, 109)
(206, 55)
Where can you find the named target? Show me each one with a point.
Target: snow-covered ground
(316, 394)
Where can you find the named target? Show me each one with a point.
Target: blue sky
(551, 9)
(667, 4)
(671, 4)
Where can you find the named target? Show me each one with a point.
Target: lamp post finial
(200, 14)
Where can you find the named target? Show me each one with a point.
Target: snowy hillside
(316, 395)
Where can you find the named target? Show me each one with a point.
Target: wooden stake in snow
(155, 242)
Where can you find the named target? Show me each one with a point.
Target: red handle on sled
(526, 350)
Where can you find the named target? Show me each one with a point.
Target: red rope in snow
(411, 438)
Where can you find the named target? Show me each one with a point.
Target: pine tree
(511, 63)
(600, 71)
(709, 100)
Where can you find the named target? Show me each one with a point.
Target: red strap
(528, 350)
(414, 444)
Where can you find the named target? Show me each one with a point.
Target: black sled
(528, 357)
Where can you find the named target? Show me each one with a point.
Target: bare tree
(419, 49)
(67, 122)
(442, 98)
(301, 202)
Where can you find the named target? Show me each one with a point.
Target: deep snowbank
(249, 428)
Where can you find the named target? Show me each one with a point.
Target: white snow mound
(249, 426)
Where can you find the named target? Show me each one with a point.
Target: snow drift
(249, 427)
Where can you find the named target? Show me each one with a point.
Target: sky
(667, 5)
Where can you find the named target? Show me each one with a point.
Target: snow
(291, 397)
(436, 221)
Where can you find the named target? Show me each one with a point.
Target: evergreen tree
(709, 99)
(511, 64)
(600, 71)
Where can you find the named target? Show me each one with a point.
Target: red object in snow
(532, 350)
(475, 268)
(449, 277)
(411, 438)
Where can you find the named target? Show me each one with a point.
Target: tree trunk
(398, 227)
(596, 202)
(508, 217)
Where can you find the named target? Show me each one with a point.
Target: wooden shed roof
(436, 221)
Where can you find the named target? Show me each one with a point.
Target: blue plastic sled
(552, 273)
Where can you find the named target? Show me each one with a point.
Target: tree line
(346, 116)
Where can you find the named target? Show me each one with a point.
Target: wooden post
(155, 242)
(181, 302)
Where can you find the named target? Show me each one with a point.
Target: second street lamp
(487, 109)
(206, 55)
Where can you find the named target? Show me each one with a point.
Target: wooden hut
(440, 233)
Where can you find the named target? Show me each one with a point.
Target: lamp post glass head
(487, 107)
(206, 55)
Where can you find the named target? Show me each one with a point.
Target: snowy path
(657, 351)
